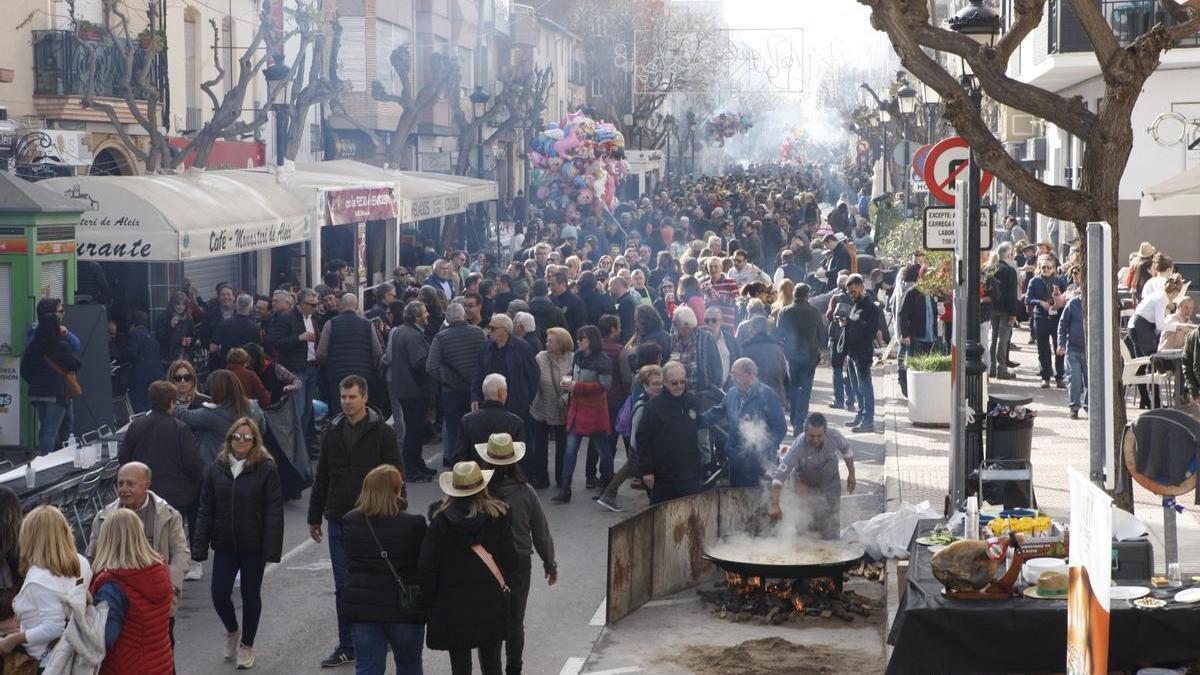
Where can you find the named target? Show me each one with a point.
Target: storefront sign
(199, 243)
(55, 247)
(1090, 560)
(14, 246)
(361, 252)
(10, 396)
(359, 205)
(434, 161)
(413, 210)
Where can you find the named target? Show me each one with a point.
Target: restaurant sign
(358, 205)
(211, 242)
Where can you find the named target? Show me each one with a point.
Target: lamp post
(981, 24)
(884, 118)
(906, 101)
(274, 74)
(669, 125)
(479, 100)
(691, 122)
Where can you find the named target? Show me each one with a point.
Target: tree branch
(1029, 15)
(1104, 41)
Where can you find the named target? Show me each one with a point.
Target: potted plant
(152, 40)
(929, 399)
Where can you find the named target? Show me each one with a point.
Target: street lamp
(906, 101)
(274, 74)
(669, 125)
(884, 118)
(691, 122)
(981, 24)
(931, 99)
(479, 100)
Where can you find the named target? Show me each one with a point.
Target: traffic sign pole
(972, 348)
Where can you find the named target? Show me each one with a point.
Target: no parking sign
(944, 163)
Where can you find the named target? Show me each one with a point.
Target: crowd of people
(687, 328)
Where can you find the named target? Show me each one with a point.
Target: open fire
(745, 598)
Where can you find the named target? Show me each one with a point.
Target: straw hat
(501, 450)
(464, 480)
(1146, 250)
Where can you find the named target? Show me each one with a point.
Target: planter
(929, 399)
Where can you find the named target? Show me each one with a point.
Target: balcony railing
(61, 64)
(1129, 19)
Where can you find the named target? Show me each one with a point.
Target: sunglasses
(241, 437)
(183, 378)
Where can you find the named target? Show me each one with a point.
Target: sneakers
(339, 657)
(1045, 383)
(231, 644)
(1005, 376)
(853, 423)
(1074, 414)
(863, 428)
(195, 571)
(609, 504)
(245, 657)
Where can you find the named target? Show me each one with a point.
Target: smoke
(819, 129)
(754, 435)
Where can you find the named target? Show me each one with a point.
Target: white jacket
(40, 605)
(81, 650)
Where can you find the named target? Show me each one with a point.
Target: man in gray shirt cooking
(813, 459)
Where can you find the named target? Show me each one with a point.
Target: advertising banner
(359, 205)
(1090, 560)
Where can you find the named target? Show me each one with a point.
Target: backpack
(625, 418)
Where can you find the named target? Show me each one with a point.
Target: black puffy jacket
(341, 468)
(467, 607)
(245, 514)
(369, 592)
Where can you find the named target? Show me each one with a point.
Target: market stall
(936, 634)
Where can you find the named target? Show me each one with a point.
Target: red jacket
(144, 646)
(252, 385)
(588, 411)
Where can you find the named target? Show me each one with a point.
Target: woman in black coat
(176, 330)
(466, 558)
(370, 597)
(595, 300)
(241, 519)
(44, 366)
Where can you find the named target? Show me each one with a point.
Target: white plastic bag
(887, 534)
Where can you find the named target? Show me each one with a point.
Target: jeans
(455, 404)
(52, 417)
(599, 441)
(860, 380)
(985, 339)
(801, 373)
(341, 567)
(413, 410)
(1045, 329)
(1001, 337)
(489, 660)
(225, 567)
(514, 646)
(310, 379)
(1077, 384)
(843, 386)
(542, 432)
(371, 642)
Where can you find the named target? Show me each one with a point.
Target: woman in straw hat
(133, 579)
(466, 560)
(370, 600)
(530, 532)
(52, 567)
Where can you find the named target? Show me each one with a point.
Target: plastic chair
(108, 482)
(84, 506)
(1138, 371)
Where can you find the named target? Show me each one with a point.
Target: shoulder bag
(491, 565)
(72, 382)
(408, 596)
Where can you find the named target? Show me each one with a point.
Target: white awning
(419, 195)
(1177, 196)
(183, 217)
(474, 190)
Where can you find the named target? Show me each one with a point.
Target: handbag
(72, 382)
(408, 596)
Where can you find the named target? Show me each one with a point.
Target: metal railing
(1129, 19)
(61, 65)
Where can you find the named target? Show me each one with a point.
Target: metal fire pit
(833, 569)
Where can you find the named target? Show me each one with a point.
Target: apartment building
(1058, 57)
(43, 69)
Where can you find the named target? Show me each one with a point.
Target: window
(227, 53)
(389, 36)
(466, 64)
(352, 59)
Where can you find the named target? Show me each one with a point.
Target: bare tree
(517, 105)
(141, 96)
(1107, 131)
(321, 83)
(444, 73)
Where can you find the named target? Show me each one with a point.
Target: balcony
(60, 65)
(1129, 20)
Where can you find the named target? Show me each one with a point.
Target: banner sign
(412, 210)
(10, 396)
(1090, 560)
(358, 205)
(207, 243)
(940, 224)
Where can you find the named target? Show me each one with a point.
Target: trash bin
(1010, 437)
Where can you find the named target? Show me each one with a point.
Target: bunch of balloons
(726, 125)
(792, 149)
(578, 160)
